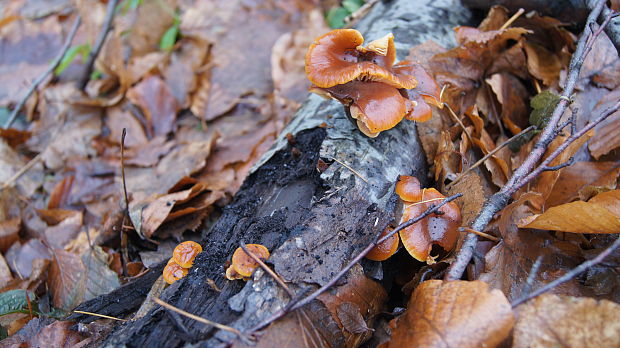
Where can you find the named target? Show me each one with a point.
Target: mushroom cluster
(419, 238)
(377, 93)
(243, 265)
(182, 260)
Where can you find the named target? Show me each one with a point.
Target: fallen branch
(295, 304)
(522, 174)
(92, 55)
(571, 274)
(43, 76)
(613, 29)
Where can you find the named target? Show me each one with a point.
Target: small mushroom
(185, 253)
(385, 250)
(243, 265)
(173, 272)
(338, 57)
(442, 229)
(376, 106)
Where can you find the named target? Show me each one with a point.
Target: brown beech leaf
(11, 163)
(542, 63)
(9, 229)
(564, 321)
(447, 159)
(5, 273)
(474, 194)
(58, 334)
(157, 102)
(581, 176)
(362, 295)
(156, 212)
(508, 264)
(66, 279)
(454, 314)
(21, 257)
(598, 215)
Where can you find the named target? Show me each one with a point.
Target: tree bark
(313, 223)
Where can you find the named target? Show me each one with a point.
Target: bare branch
(523, 174)
(43, 76)
(92, 55)
(571, 274)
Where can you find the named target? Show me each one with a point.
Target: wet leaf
(563, 321)
(454, 314)
(598, 215)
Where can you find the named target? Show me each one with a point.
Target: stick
(500, 199)
(92, 55)
(613, 30)
(267, 269)
(293, 305)
(49, 70)
(124, 252)
(571, 274)
(488, 155)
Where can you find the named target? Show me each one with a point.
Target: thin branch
(512, 19)
(351, 169)
(43, 76)
(500, 199)
(613, 30)
(532, 276)
(295, 304)
(92, 55)
(124, 251)
(481, 234)
(267, 269)
(571, 274)
(199, 319)
(559, 166)
(21, 171)
(488, 155)
(99, 315)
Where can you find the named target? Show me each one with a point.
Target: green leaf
(96, 74)
(170, 37)
(70, 55)
(543, 105)
(14, 301)
(352, 5)
(336, 16)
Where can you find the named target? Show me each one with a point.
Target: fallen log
(313, 222)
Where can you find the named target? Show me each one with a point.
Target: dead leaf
(9, 230)
(11, 162)
(21, 257)
(607, 133)
(152, 19)
(542, 63)
(580, 176)
(454, 314)
(66, 279)
(447, 160)
(157, 102)
(564, 321)
(474, 194)
(351, 318)
(599, 215)
(5, 273)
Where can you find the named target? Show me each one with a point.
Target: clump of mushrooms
(182, 259)
(377, 93)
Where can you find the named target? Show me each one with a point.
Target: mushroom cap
(442, 230)
(173, 272)
(243, 263)
(421, 111)
(185, 253)
(384, 250)
(338, 57)
(408, 188)
(376, 106)
(427, 86)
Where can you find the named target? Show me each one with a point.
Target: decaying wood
(313, 223)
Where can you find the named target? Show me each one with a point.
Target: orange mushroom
(442, 229)
(185, 253)
(338, 57)
(385, 250)
(173, 272)
(243, 265)
(376, 106)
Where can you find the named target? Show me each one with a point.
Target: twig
(351, 169)
(500, 199)
(199, 319)
(559, 166)
(92, 55)
(295, 304)
(458, 120)
(533, 273)
(124, 252)
(267, 269)
(571, 274)
(512, 19)
(488, 155)
(99, 315)
(613, 30)
(21, 171)
(50, 69)
(481, 234)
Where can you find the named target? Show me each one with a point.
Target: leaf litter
(201, 109)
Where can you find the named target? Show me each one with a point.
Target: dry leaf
(158, 104)
(454, 314)
(579, 177)
(607, 135)
(563, 321)
(599, 215)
